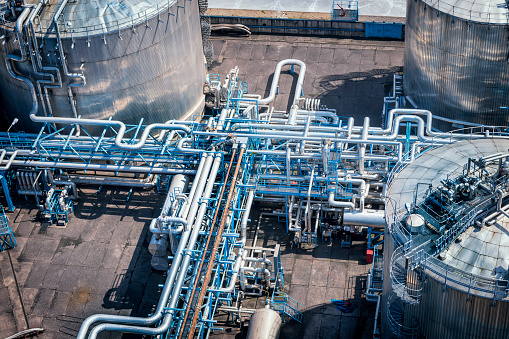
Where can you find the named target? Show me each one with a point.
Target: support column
(6, 192)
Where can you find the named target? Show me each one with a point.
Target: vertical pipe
(209, 236)
(216, 243)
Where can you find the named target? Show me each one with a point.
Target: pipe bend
(122, 127)
(344, 204)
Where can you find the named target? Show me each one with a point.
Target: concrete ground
(313, 276)
(351, 76)
(100, 263)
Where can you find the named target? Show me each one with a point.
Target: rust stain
(80, 296)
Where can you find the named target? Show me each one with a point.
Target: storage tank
(449, 279)
(124, 59)
(264, 324)
(456, 59)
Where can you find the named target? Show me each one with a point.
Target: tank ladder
(7, 240)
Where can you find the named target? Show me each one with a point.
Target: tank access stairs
(287, 306)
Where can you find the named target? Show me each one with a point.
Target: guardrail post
(469, 286)
(445, 281)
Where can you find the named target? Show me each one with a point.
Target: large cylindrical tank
(460, 292)
(264, 324)
(456, 59)
(124, 59)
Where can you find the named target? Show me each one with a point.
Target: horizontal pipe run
(110, 123)
(101, 167)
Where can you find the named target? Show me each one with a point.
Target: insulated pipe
(9, 162)
(155, 224)
(100, 180)
(275, 81)
(264, 271)
(429, 123)
(259, 260)
(343, 204)
(194, 232)
(31, 87)
(209, 236)
(233, 279)
(98, 167)
(119, 124)
(219, 234)
(245, 218)
(19, 32)
(165, 294)
(181, 148)
(72, 184)
(369, 218)
(184, 240)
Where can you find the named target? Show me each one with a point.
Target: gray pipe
(9, 162)
(74, 196)
(113, 181)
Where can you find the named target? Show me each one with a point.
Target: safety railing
(455, 231)
(405, 282)
(7, 240)
(484, 15)
(400, 327)
(286, 305)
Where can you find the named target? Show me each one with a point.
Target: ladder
(286, 305)
(7, 240)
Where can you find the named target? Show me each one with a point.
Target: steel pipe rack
(315, 163)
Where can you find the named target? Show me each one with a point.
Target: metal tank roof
(485, 11)
(483, 252)
(92, 17)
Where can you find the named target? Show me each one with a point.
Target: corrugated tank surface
(147, 65)
(457, 68)
(454, 301)
(448, 313)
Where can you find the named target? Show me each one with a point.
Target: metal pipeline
(275, 81)
(99, 167)
(241, 242)
(149, 182)
(219, 234)
(209, 236)
(63, 62)
(245, 219)
(119, 124)
(156, 223)
(74, 196)
(167, 289)
(19, 34)
(343, 204)
(9, 162)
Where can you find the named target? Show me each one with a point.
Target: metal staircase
(286, 305)
(7, 240)
(401, 325)
(405, 281)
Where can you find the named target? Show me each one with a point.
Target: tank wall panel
(448, 314)
(455, 68)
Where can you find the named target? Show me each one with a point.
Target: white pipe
(275, 81)
(121, 128)
(343, 204)
(165, 294)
